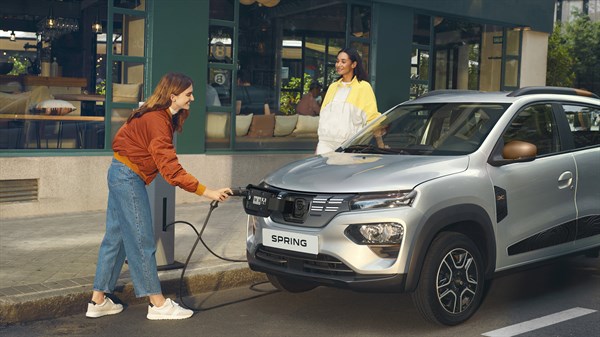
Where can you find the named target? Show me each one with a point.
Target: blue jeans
(129, 233)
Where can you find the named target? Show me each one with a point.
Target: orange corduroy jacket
(145, 144)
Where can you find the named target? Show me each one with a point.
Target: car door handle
(565, 180)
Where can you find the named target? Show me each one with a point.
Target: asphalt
(47, 264)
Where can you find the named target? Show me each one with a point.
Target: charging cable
(236, 192)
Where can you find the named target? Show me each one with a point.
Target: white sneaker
(108, 307)
(169, 310)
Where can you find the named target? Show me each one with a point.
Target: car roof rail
(551, 90)
(447, 91)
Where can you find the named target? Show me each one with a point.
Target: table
(39, 120)
(88, 102)
(80, 97)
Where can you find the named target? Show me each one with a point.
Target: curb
(75, 302)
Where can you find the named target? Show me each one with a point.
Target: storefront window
(139, 5)
(361, 21)
(221, 76)
(419, 70)
(220, 42)
(363, 51)
(221, 10)
(475, 57)
(56, 89)
(492, 39)
(335, 45)
(457, 59)
(127, 57)
(283, 48)
(511, 71)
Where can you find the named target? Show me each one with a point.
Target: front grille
(309, 210)
(325, 204)
(321, 264)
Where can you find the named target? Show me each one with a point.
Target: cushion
(13, 87)
(307, 124)
(284, 125)
(13, 103)
(53, 107)
(126, 93)
(216, 124)
(22, 103)
(39, 94)
(262, 126)
(242, 124)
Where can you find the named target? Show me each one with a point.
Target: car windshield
(428, 129)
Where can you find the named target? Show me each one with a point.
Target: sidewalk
(47, 265)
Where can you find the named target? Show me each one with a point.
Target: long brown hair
(170, 83)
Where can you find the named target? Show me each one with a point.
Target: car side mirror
(515, 151)
(519, 150)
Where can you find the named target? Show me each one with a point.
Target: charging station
(162, 206)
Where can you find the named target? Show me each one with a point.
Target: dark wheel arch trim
(445, 219)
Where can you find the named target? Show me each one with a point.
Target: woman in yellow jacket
(349, 104)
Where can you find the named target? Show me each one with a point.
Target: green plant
(20, 64)
(101, 87)
(289, 99)
(584, 37)
(560, 62)
(574, 54)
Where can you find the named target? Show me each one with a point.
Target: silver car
(436, 196)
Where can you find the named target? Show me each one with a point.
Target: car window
(584, 122)
(432, 129)
(535, 124)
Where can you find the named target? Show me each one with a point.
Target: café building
(72, 70)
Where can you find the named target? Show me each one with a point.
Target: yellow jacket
(346, 109)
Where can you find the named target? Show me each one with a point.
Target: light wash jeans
(129, 233)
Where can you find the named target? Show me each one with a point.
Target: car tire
(289, 284)
(452, 282)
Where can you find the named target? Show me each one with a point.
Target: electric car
(434, 197)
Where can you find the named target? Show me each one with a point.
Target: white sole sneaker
(169, 310)
(108, 307)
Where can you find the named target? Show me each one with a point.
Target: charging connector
(239, 192)
(236, 192)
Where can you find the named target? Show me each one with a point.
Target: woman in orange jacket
(143, 147)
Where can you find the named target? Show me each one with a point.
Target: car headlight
(387, 233)
(383, 200)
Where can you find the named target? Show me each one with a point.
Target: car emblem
(300, 207)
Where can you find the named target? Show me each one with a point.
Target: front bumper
(322, 270)
(314, 246)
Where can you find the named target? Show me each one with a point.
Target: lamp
(52, 27)
(266, 3)
(50, 22)
(97, 26)
(13, 37)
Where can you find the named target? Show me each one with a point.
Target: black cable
(213, 205)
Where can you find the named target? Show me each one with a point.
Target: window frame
(109, 105)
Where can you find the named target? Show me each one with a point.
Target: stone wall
(78, 184)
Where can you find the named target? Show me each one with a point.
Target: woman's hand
(218, 195)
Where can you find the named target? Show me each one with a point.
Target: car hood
(350, 172)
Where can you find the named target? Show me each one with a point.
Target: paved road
(528, 298)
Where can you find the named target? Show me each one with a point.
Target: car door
(583, 127)
(535, 200)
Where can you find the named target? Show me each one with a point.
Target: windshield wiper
(370, 148)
